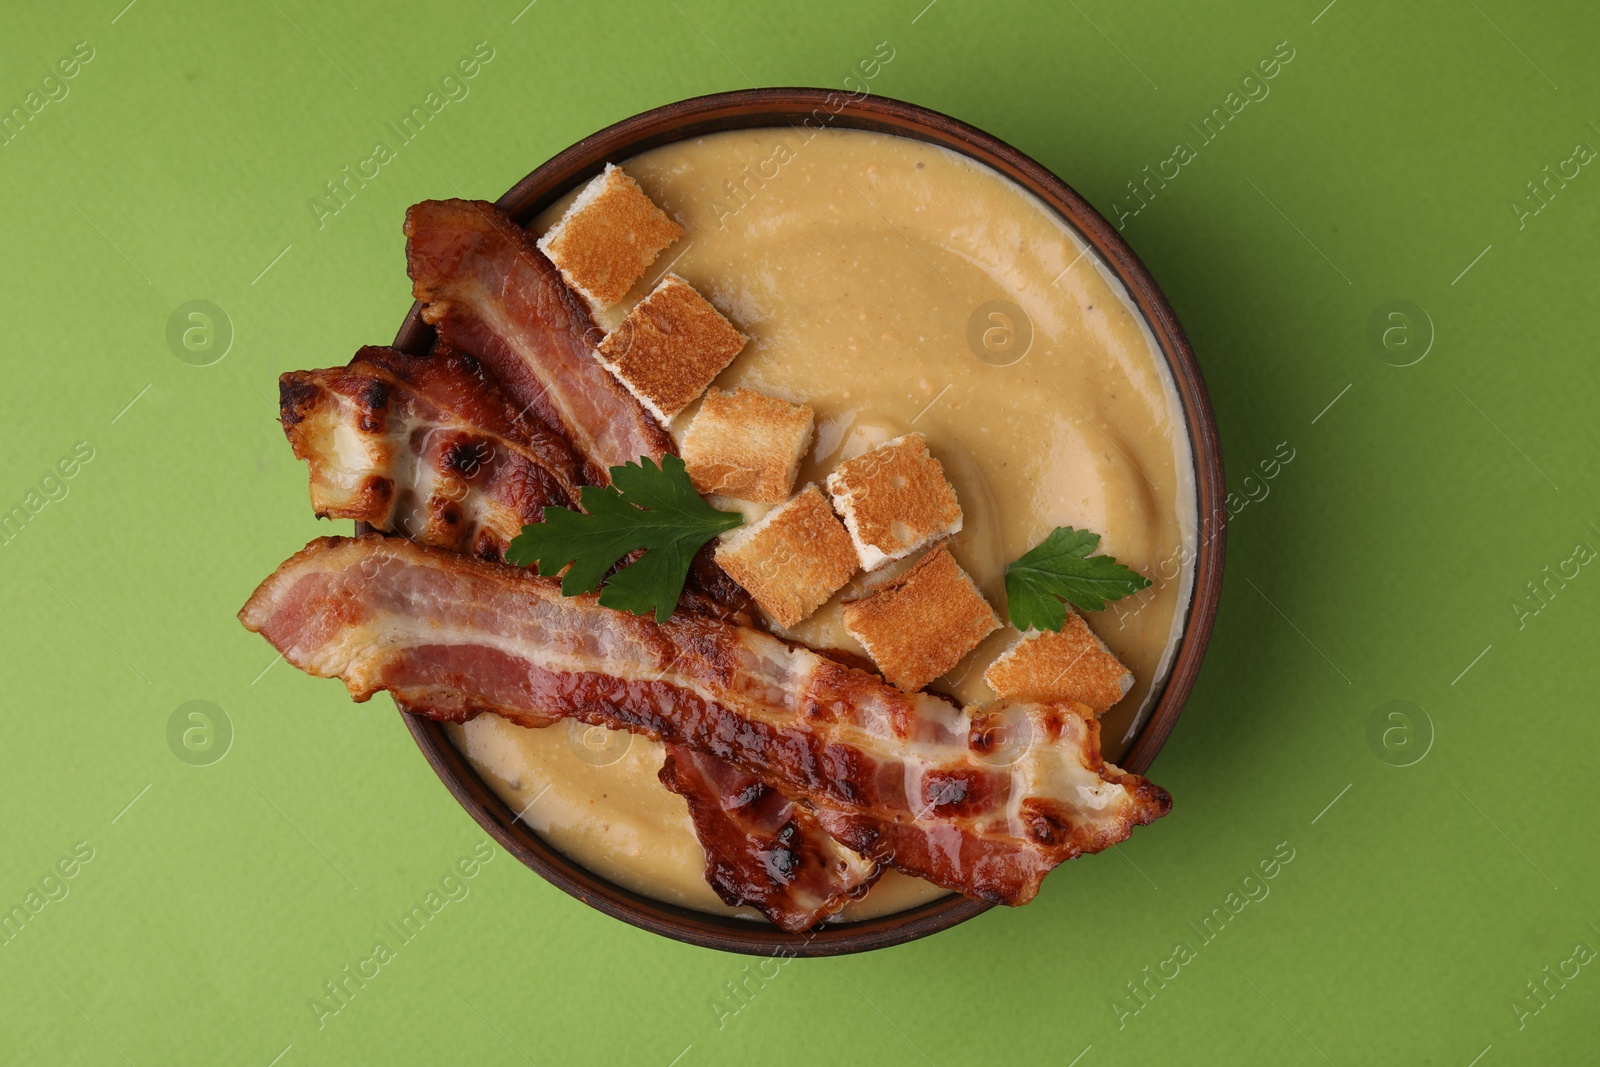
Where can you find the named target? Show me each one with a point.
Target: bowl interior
(831, 109)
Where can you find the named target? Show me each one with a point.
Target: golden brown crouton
(919, 625)
(608, 238)
(1071, 665)
(792, 560)
(670, 347)
(894, 499)
(746, 445)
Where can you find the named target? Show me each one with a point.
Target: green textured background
(1382, 564)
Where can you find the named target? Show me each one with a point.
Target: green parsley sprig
(1060, 568)
(649, 507)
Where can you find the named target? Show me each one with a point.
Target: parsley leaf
(645, 507)
(1060, 567)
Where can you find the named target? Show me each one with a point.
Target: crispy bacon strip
(426, 447)
(488, 290)
(763, 849)
(985, 806)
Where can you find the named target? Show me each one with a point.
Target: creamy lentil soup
(894, 286)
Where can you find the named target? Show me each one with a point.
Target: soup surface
(894, 286)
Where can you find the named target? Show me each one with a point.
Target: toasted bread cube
(670, 347)
(792, 560)
(919, 625)
(608, 238)
(894, 499)
(746, 445)
(1071, 665)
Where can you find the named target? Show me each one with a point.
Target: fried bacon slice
(424, 446)
(984, 805)
(763, 849)
(488, 290)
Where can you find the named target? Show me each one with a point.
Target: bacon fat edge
(984, 802)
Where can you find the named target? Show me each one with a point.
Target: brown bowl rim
(795, 107)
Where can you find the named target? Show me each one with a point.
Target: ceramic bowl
(791, 107)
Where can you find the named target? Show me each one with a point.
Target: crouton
(1071, 665)
(792, 560)
(746, 445)
(608, 238)
(894, 499)
(920, 625)
(670, 347)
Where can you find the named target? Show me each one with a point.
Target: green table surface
(1438, 904)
